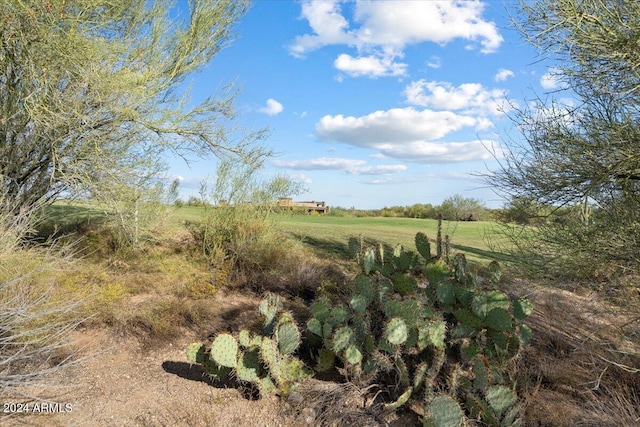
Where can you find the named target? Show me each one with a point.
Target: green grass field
(332, 233)
(329, 235)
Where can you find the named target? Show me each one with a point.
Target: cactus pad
(326, 360)
(445, 412)
(244, 338)
(467, 318)
(498, 319)
(423, 245)
(353, 355)
(359, 303)
(483, 302)
(364, 286)
(338, 314)
(196, 352)
(493, 272)
(320, 309)
(287, 335)
(314, 326)
(481, 380)
(397, 250)
(368, 260)
(249, 366)
(404, 284)
(437, 334)
(525, 334)
(396, 331)
(269, 308)
(403, 262)
(380, 253)
(500, 398)
(446, 294)
(436, 272)
(522, 308)
(224, 350)
(295, 369)
(266, 386)
(354, 247)
(342, 338)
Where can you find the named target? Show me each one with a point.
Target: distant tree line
(455, 208)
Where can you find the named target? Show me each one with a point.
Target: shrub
(243, 247)
(34, 327)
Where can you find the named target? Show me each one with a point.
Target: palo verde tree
(91, 88)
(582, 157)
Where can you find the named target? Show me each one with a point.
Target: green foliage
(92, 89)
(265, 361)
(450, 341)
(580, 162)
(236, 235)
(458, 208)
(135, 207)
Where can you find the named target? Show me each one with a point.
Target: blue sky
(376, 103)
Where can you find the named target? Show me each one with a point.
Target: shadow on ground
(341, 249)
(194, 372)
(489, 255)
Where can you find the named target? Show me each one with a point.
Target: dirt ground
(123, 382)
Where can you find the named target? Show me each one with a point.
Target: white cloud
(377, 170)
(300, 177)
(434, 62)
(397, 124)
(429, 178)
(273, 107)
(386, 26)
(351, 166)
(326, 20)
(503, 74)
(408, 134)
(390, 180)
(370, 66)
(440, 152)
(321, 163)
(469, 98)
(551, 80)
(385, 23)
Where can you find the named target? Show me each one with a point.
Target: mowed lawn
(331, 234)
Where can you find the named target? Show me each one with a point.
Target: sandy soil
(122, 384)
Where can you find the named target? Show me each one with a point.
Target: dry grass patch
(582, 365)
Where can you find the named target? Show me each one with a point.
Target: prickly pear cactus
(448, 339)
(266, 361)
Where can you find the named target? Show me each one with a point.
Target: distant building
(312, 206)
